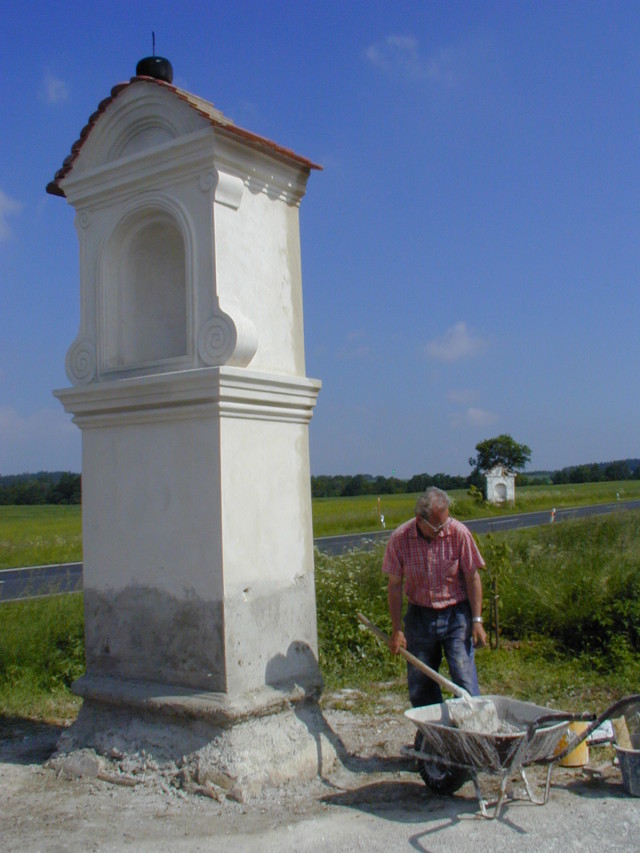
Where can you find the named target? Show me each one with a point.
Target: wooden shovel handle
(414, 661)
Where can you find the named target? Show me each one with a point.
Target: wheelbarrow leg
(504, 793)
(536, 800)
(497, 804)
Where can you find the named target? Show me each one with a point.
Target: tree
(67, 490)
(502, 450)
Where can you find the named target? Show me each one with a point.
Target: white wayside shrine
(189, 387)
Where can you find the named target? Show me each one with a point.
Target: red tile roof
(206, 109)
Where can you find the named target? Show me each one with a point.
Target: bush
(346, 585)
(577, 583)
(41, 650)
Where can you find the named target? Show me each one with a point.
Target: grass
(334, 516)
(42, 535)
(570, 616)
(39, 535)
(41, 653)
(569, 612)
(577, 583)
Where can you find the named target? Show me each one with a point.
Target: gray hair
(431, 499)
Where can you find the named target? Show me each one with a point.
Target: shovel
(471, 713)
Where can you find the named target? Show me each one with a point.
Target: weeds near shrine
(41, 654)
(569, 615)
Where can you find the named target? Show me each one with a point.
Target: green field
(569, 616)
(569, 603)
(42, 535)
(39, 535)
(332, 516)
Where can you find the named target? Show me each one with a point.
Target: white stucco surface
(501, 485)
(188, 383)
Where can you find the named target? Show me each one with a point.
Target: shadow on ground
(400, 800)
(24, 741)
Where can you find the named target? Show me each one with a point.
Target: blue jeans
(431, 632)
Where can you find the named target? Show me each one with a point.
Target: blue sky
(470, 251)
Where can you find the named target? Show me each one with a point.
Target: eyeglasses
(436, 527)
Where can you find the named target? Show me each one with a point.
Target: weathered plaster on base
(143, 633)
(243, 758)
(238, 645)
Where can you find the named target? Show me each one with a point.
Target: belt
(438, 609)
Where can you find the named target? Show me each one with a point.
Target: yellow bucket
(580, 755)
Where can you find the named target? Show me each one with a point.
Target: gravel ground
(373, 801)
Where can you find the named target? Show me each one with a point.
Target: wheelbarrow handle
(598, 721)
(414, 661)
(595, 723)
(551, 717)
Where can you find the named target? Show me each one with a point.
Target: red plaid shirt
(433, 570)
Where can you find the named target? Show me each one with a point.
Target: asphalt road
(341, 544)
(35, 581)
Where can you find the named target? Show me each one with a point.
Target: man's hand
(397, 642)
(478, 635)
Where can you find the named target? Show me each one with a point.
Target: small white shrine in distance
(500, 485)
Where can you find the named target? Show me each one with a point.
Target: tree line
(64, 487)
(351, 485)
(341, 485)
(598, 472)
(45, 487)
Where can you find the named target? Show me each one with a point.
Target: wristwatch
(477, 619)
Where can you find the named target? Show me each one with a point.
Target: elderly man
(434, 560)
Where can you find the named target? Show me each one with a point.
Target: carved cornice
(258, 172)
(224, 392)
(172, 161)
(193, 155)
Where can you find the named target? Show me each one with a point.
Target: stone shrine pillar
(189, 387)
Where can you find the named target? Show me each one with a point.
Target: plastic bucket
(629, 761)
(580, 755)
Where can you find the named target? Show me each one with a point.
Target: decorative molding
(80, 362)
(140, 171)
(190, 703)
(260, 173)
(229, 190)
(228, 337)
(246, 334)
(139, 118)
(207, 181)
(217, 340)
(224, 392)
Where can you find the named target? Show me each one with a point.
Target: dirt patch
(372, 800)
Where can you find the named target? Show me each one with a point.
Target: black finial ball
(155, 66)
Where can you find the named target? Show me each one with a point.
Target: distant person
(434, 560)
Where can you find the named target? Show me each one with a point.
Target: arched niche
(501, 492)
(145, 304)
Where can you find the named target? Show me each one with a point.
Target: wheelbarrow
(448, 757)
(527, 734)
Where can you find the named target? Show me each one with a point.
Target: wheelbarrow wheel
(439, 778)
